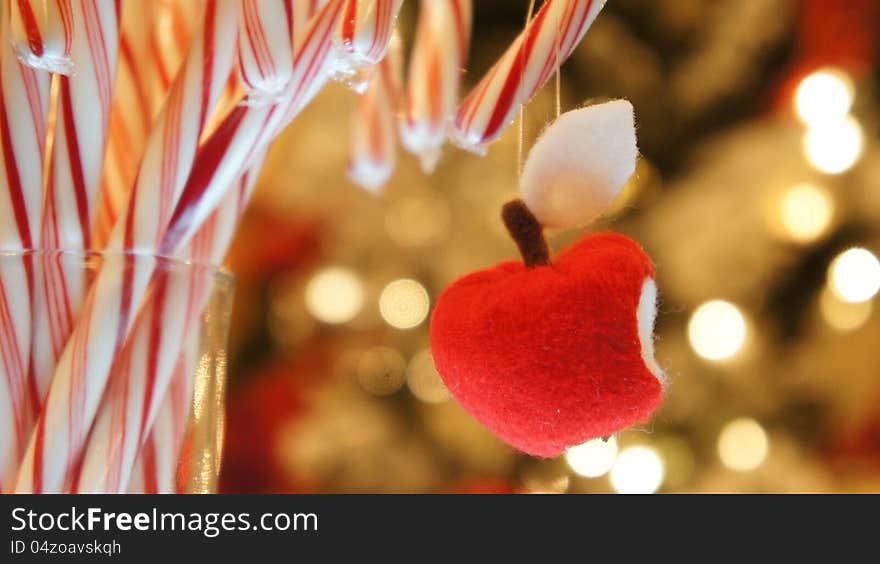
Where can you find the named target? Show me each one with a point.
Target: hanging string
(520, 142)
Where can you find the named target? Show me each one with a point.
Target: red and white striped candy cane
(531, 60)
(366, 29)
(156, 467)
(130, 119)
(175, 135)
(42, 33)
(231, 148)
(438, 61)
(248, 130)
(24, 105)
(301, 13)
(112, 302)
(121, 285)
(139, 376)
(364, 34)
(18, 396)
(238, 143)
(155, 39)
(145, 367)
(81, 129)
(80, 136)
(173, 26)
(265, 52)
(157, 458)
(99, 473)
(372, 154)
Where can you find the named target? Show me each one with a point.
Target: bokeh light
(806, 211)
(824, 96)
(381, 371)
(717, 330)
(423, 379)
(637, 470)
(404, 304)
(334, 295)
(834, 147)
(743, 445)
(855, 275)
(843, 316)
(593, 458)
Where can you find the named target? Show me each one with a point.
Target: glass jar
(142, 407)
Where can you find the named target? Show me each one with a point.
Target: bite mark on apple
(646, 314)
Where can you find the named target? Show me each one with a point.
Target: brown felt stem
(527, 232)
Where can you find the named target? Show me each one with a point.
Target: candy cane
(301, 13)
(157, 458)
(147, 364)
(24, 108)
(129, 403)
(372, 158)
(155, 39)
(230, 148)
(364, 34)
(265, 53)
(120, 286)
(109, 309)
(42, 33)
(130, 119)
(24, 104)
(81, 128)
(248, 130)
(439, 57)
(84, 103)
(530, 61)
(18, 395)
(174, 26)
(156, 467)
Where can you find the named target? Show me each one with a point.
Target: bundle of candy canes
(137, 129)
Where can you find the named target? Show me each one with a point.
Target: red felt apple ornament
(550, 354)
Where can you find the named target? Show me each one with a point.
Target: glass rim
(216, 271)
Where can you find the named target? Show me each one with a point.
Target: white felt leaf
(580, 164)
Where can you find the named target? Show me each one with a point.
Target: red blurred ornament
(269, 242)
(263, 404)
